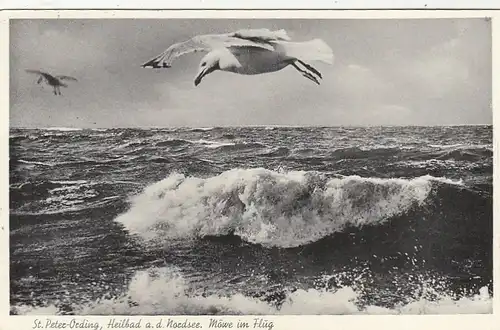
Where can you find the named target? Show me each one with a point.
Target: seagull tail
(282, 35)
(313, 50)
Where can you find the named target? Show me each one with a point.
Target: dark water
(270, 220)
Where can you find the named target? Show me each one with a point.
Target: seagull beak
(200, 76)
(203, 72)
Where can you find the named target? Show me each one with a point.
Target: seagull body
(249, 52)
(55, 81)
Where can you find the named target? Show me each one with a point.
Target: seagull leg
(311, 77)
(310, 67)
(306, 74)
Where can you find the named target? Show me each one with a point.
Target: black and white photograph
(250, 166)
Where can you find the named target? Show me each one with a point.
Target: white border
(281, 322)
(250, 4)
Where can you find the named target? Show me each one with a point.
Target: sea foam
(164, 291)
(284, 209)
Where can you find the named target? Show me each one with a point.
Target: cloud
(438, 72)
(361, 84)
(390, 114)
(386, 71)
(58, 50)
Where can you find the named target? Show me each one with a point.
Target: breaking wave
(164, 291)
(270, 208)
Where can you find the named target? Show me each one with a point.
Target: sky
(386, 72)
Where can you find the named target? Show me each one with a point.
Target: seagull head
(208, 64)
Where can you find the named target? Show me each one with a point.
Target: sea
(251, 220)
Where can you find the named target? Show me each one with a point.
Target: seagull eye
(204, 63)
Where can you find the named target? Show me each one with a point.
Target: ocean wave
(67, 129)
(172, 143)
(70, 182)
(164, 291)
(35, 189)
(31, 162)
(431, 164)
(364, 152)
(461, 146)
(470, 155)
(60, 196)
(212, 144)
(466, 154)
(276, 152)
(83, 161)
(70, 207)
(63, 199)
(227, 146)
(133, 143)
(201, 129)
(54, 134)
(270, 208)
(242, 146)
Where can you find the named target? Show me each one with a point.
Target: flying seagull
(55, 81)
(249, 52)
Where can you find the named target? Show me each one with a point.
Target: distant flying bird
(55, 81)
(249, 52)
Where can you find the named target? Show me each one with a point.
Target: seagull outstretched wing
(66, 78)
(261, 38)
(41, 73)
(262, 35)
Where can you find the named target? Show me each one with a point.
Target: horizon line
(240, 126)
